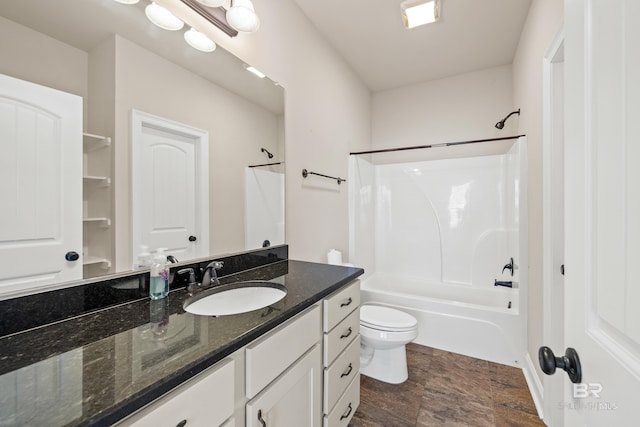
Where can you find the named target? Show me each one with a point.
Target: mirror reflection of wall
(120, 62)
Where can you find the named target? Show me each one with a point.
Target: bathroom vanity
(140, 362)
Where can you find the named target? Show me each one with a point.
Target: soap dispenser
(144, 258)
(159, 282)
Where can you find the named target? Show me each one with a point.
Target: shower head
(500, 124)
(269, 155)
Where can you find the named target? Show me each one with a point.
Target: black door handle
(570, 363)
(72, 256)
(192, 238)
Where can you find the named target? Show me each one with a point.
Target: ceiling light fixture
(163, 18)
(242, 16)
(254, 70)
(199, 41)
(419, 12)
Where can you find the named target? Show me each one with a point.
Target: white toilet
(384, 333)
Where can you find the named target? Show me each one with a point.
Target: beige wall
(35, 57)
(544, 20)
(457, 108)
(327, 114)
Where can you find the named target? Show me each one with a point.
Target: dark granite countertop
(97, 368)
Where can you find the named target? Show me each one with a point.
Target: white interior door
(41, 157)
(553, 220)
(170, 203)
(602, 298)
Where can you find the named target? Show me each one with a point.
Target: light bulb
(198, 40)
(163, 18)
(242, 17)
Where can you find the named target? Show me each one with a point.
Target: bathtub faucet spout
(501, 283)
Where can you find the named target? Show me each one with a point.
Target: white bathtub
(474, 321)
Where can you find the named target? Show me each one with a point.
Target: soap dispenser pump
(159, 280)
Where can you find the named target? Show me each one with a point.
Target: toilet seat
(386, 319)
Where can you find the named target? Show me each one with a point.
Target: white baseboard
(535, 386)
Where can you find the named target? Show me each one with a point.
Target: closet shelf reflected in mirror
(97, 202)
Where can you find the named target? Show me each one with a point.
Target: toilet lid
(385, 318)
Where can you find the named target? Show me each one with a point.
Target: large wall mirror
(119, 63)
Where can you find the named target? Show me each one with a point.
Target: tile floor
(447, 389)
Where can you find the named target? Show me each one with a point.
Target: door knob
(570, 363)
(72, 256)
(192, 238)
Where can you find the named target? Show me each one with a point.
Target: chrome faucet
(192, 285)
(210, 275)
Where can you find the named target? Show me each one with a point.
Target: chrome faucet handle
(216, 265)
(210, 269)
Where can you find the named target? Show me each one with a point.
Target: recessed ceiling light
(163, 18)
(199, 41)
(255, 71)
(419, 12)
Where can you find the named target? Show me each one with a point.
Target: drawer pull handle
(182, 423)
(344, 304)
(349, 369)
(347, 414)
(349, 332)
(263, 423)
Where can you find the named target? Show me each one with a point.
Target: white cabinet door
(170, 205)
(602, 286)
(292, 400)
(41, 190)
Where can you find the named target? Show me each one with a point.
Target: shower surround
(434, 235)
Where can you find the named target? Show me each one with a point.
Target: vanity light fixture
(199, 41)
(162, 17)
(419, 12)
(254, 70)
(213, 3)
(242, 16)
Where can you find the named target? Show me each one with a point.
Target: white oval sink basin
(235, 298)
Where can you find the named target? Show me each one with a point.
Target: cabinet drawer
(206, 400)
(270, 355)
(338, 305)
(340, 374)
(346, 406)
(340, 337)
